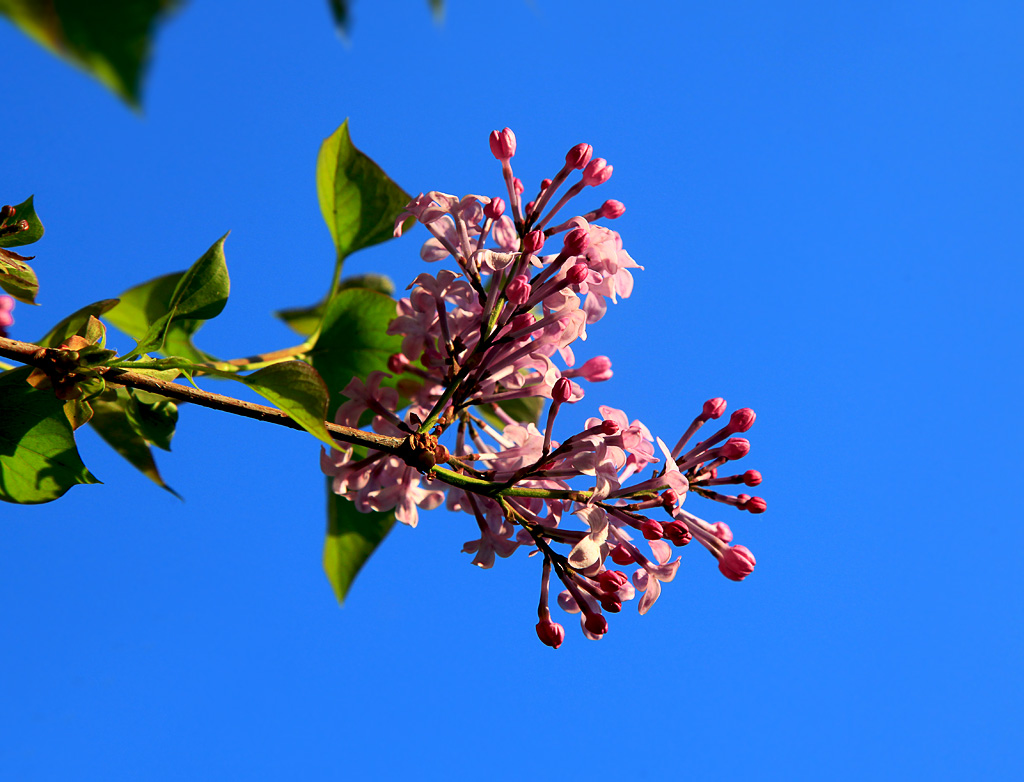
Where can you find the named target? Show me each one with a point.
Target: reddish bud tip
(517, 185)
(22, 225)
(579, 156)
(577, 273)
(752, 477)
(742, 420)
(677, 532)
(529, 206)
(7, 212)
(610, 210)
(495, 209)
(652, 530)
(518, 289)
(533, 242)
(621, 555)
(596, 369)
(755, 505)
(611, 604)
(670, 499)
(737, 563)
(577, 241)
(550, 633)
(503, 144)
(612, 580)
(397, 363)
(596, 624)
(545, 184)
(713, 408)
(597, 172)
(735, 448)
(722, 531)
(562, 390)
(610, 427)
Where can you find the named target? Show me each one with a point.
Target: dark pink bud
(7, 212)
(518, 289)
(522, 321)
(550, 633)
(612, 209)
(677, 532)
(577, 273)
(735, 448)
(22, 225)
(596, 369)
(737, 563)
(742, 499)
(495, 209)
(579, 156)
(713, 408)
(597, 172)
(611, 603)
(562, 390)
(533, 242)
(610, 427)
(545, 184)
(652, 530)
(670, 499)
(612, 580)
(752, 477)
(755, 505)
(577, 241)
(529, 206)
(596, 624)
(397, 363)
(621, 555)
(503, 144)
(742, 420)
(517, 185)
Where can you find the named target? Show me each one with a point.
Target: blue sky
(827, 202)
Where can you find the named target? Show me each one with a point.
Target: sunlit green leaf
(75, 322)
(110, 39)
(24, 211)
(358, 200)
(305, 320)
(296, 389)
(39, 461)
(351, 538)
(17, 277)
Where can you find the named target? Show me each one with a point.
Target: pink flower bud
(677, 532)
(577, 241)
(752, 477)
(611, 210)
(737, 563)
(742, 420)
(7, 212)
(503, 144)
(562, 390)
(579, 156)
(742, 499)
(612, 580)
(545, 184)
(722, 531)
(755, 505)
(669, 499)
(596, 369)
(596, 624)
(533, 242)
(713, 408)
(517, 185)
(735, 448)
(597, 172)
(550, 633)
(518, 289)
(577, 273)
(610, 427)
(621, 555)
(652, 530)
(495, 209)
(397, 363)
(522, 321)
(529, 206)
(611, 604)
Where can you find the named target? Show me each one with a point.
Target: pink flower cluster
(477, 343)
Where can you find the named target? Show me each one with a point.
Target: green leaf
(522, 409)
(17, 277)
(75, 322)
(297, 389)
(353, 341)
(27, 212)
(110, 420)
(39, 461)
(110, 40)
(358, 200)
(164, 313)
(339, 10)
(351, 538)
(153, 417)
(305, 320)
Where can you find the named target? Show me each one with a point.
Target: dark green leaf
(353, 341)
(109, 39)
(339, 10)
(297, 389)
(351, 538)
(110, 420)
(305, 320)
(153, 417)
(358, 200)
(27, 212)
(38, 457)
(522, 409)
(17, 277)
(75, 322)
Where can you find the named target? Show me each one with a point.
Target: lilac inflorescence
(478, 343)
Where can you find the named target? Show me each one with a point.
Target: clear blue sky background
(827, 200)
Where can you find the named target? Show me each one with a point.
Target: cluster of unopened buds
(476, 340)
